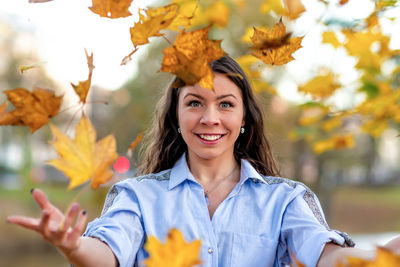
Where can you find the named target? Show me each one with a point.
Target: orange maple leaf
(111, 8)
(33, 109)
(82, 89)
(275, 46)
(175, 253)
(156, 20)
(384, 258)
(83, 159)
(190, 56)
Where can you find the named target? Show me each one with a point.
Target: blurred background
(357, 181)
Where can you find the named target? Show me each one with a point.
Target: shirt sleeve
(304, 229)
(120, 225)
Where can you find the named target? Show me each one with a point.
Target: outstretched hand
(54, 227)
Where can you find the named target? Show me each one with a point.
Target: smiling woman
(203, 175)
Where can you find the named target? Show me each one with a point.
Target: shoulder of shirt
(275, 180)
(160, 176)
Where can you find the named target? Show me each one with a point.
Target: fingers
(44, 227)
(80, 224)
(41, 199)
(70, 217)
(26, 222)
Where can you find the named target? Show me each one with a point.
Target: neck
(210, 170)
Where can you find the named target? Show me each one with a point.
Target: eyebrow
(218, 97)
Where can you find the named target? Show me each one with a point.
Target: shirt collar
(248, 172)
(180, 172)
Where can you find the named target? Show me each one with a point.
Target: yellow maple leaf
(190, 56)
(275, 46)
(83, 159)
(335, 142)
(82, 89)
(156, 20)
(293, 8)
(383, 258)
(32, 109)
(329, 37)
(175, 253)
(246, 37)
(111, 8)
(320, 86)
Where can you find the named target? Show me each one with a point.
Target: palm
(53, 225)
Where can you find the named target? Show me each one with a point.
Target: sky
(64, 28)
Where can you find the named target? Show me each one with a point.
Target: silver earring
(179, 130)
(241, 130)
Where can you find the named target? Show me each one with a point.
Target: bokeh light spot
(122, 165)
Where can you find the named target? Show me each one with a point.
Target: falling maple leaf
(157, 19)
(83, 159)
(111, 8)
(384, 258)
(32, 109)
(190, 56)
(320, 86)
(174, 253)
(274, 46)
(293, 8)
(82, 89)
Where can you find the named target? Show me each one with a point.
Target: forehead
(222, 86)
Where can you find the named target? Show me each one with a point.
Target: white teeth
(210, 137)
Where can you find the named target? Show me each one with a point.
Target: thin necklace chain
(207, 192)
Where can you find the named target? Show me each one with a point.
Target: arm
(57, 229)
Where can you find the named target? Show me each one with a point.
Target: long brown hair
(163, 145)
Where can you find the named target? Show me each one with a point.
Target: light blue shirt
(261, 223)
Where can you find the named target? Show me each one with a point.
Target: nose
(210, 116)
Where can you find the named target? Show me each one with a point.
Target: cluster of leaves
(321, 123)
(81, 159)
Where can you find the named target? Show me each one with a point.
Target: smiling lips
(210, 137)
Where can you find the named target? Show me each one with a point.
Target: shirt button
(210, 250)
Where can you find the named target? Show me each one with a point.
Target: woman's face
(210, 121)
